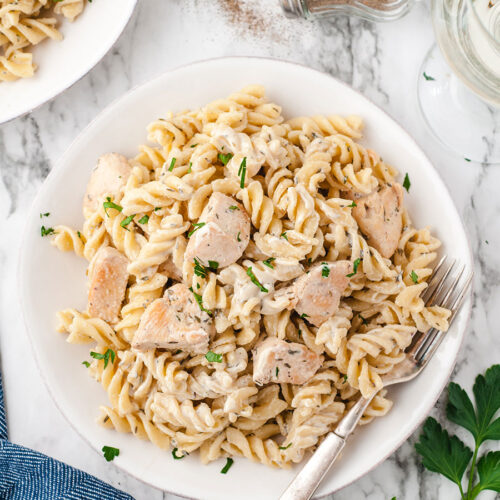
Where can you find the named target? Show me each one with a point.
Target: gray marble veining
(381, 61)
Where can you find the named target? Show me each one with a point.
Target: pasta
(26, 23)
(301, 197)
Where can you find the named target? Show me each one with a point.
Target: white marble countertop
(382, 61)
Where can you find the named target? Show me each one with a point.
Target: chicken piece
(379, 216)
(174, 322)
(224, 235)
(108, 178)
(170, 269)
(318, 292)
(279, 361)
(108, 277)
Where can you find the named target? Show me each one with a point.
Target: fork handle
(308, 479)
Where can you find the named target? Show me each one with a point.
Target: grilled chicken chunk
(379, 216)
(108, 178)
(279, 361)
(317, 293)
(108, 277)
(170, 269)
(224, 235)
(174, 322)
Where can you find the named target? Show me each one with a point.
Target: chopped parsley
(213, 357)
(125, 222)
(407, 183)
(194, 145)
(283, 235)
(325, 270)
(345, 379)
(196, 226)
(242, 172)
(109, 354)
(427, 77)
(355, 265)
(255, 281)
(109, 204)
(144, 219)
(229, 463)
(224, 158)
(238, 236)
(414, 277)
(190, 167)
(467, 159)
(268, 262)
(45, 231)
(157, 208)
(85, 363)
(79, 234)
(174, 454)
(277, 371)
(199, 269)
(110, 453)
(172, 164)
(233, 208)
(363, 320)
(213, 264)
(199, 301)
(285, 447)
(304, 315)
(352, 205)
(46, 214)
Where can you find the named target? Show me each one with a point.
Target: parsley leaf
(352, 205)
(109, 354)
(110, 453)
(174, 454)
(443, 453)
(268, 262)
(46, 214)
(213, 357)
(488, 468)
(190, 169)
(224, 159)
(414, 277)
(213, 264)
(304, 315)
(487, 395)
(285, 447)
(125, 222)
(242, 172)
(199, 269)
(109, 204)
(45, 231)
(407, 183)
(255, 281)
(144, 219)
(199, 300)
(427, 77)
(283, 235)
(325, 270)
(229, 463)
(196, 226)
(277, 371)
(363, 320)
(238, 236)
(233, 208)
(355, 266)
(172, 164)
(85, 363)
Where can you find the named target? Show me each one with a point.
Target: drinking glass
(462, 106)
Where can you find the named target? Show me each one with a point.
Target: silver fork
(446, 288)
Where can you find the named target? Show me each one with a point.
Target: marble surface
(381, 61)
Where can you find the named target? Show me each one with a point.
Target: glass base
(456, 116)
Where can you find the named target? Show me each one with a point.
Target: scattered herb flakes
(108, 355)
(213, 264)
(199, 301)
(45, 231)
(144, 219)
(156, 209)
(125, 222)
(407, 183)
(285, 447)
(46, 214)
(224, 158)
(277, 371)
(190, 169)
(233, 208)
(109, 204)
(268, 262)
(110, 453)
(325, 270)
(213, 357)
(172, 164)
(229, 463)
(467, 159)
(355, 266)
(79, 234)
(255, 281)
(363, 320)
(427, 77)
(304, 315)
(414, 277)
(238, 236)
(199, 269)
(345, 378)
(352, 205)
(242, 172)
(196, 226)
(284, 235)
(85, 363)
(174, 454)
(194, 145)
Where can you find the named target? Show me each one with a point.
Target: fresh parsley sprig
(448, 455)
(106, 357)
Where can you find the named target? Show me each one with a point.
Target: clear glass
(462, 106)
(372, 10)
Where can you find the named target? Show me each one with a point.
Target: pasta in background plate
(250, 277)
(24, 24)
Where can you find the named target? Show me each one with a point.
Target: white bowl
(62, 63)
(50, 280)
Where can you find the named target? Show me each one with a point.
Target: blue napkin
(28, 475)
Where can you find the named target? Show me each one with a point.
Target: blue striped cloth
(28, 475)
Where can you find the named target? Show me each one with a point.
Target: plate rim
(467, 305)
(72, 82)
